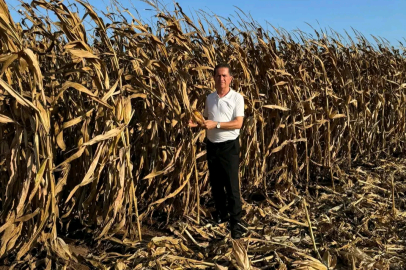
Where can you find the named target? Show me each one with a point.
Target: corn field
(94, 138)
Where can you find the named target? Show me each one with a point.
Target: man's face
(222, 78)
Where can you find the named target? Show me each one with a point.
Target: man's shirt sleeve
(239, 106)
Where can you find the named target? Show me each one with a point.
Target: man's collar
(228, 95)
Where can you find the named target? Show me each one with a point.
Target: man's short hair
(222, 65)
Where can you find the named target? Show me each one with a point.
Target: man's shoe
(220, 218)
(236, 234)
(238, 230)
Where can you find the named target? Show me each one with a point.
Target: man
(224, 110)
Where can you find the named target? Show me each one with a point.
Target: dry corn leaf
(240, 255)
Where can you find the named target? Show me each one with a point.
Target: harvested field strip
(354, 228)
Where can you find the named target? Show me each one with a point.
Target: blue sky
(379, 18)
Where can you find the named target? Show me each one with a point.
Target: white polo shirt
(223, 109)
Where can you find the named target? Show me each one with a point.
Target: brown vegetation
(94, 135)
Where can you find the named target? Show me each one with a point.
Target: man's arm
(233, 124)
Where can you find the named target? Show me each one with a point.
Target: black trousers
(223, 161)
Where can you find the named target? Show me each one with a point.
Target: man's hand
(209, 124)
